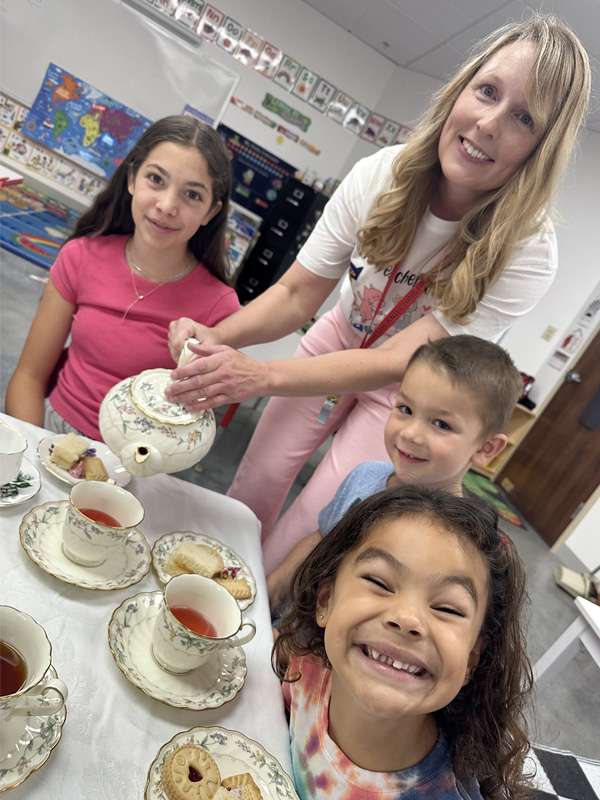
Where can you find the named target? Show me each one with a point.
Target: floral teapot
(149, 433)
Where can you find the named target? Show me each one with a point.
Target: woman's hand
(218, 375)
(185, 328)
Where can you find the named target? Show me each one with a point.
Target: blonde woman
(458, 217)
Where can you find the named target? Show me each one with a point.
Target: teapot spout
(141, 460)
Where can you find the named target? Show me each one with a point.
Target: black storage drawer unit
(294, 213)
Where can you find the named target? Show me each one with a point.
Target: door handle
(572, 377)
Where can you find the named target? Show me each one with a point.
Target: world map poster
(83, 124)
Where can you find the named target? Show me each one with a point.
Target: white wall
(316, 42)
(584, 542)
(578, 235)
(401, 94)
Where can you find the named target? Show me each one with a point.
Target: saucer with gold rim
(25, 486)
(234, 754)
(169, 542)
(130, 640)
(40, 736)
(41, 537)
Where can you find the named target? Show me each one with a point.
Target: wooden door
(557, 466)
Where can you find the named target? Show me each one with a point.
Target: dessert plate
(116, 471)
(25, 486)
(234, 754)
(40, 736)
(165, 546)
(130, 640)
(41, 537)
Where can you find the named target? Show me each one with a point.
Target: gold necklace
(163, 278)
(139, 296)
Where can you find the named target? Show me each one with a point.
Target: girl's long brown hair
(111, 211)
(558, 92)
(485, 723)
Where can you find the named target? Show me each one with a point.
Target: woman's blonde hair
(557, 91)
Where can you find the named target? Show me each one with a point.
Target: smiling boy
(456, 398)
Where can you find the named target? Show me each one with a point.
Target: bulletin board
(114, 48)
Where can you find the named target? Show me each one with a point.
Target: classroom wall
(401, 94)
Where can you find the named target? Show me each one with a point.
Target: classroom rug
(563, 776)
(483, 487)
(33, 225)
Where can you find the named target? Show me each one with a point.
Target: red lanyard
(397, 311)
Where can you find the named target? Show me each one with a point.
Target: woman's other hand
(184, 328)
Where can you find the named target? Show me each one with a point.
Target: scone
(94, 469)
(242, 786)
(190, 773)
(198, 558)
(68, 450)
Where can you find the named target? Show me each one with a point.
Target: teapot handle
(186, 354)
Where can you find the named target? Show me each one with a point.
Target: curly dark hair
(111, 210)
(485, 723)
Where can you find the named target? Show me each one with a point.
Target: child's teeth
(396, 664)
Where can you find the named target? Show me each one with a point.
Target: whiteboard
(114, 48)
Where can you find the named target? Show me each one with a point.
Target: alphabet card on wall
(229, 35)
(249, 48)
(356, 119)
(373, 127)
(82, 123)
(210, 23)
(305, 84)
(288, 73)
(339, 106)
(322, 95)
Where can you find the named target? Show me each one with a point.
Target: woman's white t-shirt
(331, 251)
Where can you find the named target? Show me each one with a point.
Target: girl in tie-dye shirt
(402, 655)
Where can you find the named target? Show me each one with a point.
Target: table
(113, 731)
(585, 630)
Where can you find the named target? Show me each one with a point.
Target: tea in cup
(25, 657)
(12, 449)
(99, 518)
(197, 618)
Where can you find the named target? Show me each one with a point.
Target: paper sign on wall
(229, 35)
(373, 127)
(339, 106)
(388, 133)
(268, 60)
(322, 95)
(249, 48)
(210, 23)
(356, 119)
(305, 84)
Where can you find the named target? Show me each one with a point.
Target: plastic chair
(585, 630)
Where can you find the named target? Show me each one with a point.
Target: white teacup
(89, 537)
(179, 649)
(12, 449)
(23, 634)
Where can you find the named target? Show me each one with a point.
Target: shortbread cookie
(237, 587)
(190, 773)
(94, 469)
(242, 786)
(68, 450)
(198, 558)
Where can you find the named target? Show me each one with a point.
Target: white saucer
(25, 486)
(40, 736)
(234, 754)
(116, 471)
(130, 639)
(41, 537)
(164, 546)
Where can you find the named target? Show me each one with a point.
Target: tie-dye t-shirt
(322, 771)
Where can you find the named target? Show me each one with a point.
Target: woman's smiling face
(490, 131)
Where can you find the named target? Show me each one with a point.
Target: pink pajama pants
(288, 433)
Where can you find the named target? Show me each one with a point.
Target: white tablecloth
(113, 731)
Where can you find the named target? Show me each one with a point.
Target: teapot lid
(148, 394)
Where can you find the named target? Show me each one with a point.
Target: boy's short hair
(482, 367)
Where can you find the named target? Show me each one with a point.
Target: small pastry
(237, 587)
(190, 773)
(94, 469)
(242, 786)
(68, 451)
(198, 558)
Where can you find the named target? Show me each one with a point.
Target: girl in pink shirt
(152, 244)
(402, 654)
